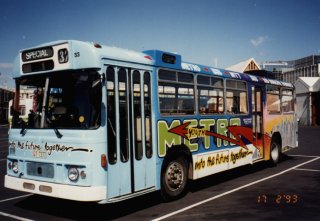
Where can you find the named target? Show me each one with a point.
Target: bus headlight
(73, 174)
(15, 167)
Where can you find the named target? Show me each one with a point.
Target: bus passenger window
(176, 93)
(236, 97)
(273, 100)
(287, 101)
(210, 95)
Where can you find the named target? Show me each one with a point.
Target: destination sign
(37, 54)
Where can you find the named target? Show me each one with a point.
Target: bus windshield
(64, 100)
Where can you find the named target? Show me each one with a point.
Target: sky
(217, 33)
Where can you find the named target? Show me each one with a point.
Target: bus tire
(275, 152)
(174, 177)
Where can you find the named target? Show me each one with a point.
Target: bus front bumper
(78, 193)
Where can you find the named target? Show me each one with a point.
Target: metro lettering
(177, 133)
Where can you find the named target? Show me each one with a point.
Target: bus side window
(176, 93)
(210, 95)
(273, 100)
(287, 101)
(236, 97)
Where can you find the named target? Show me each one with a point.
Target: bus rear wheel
(174, 178)
(275, 152)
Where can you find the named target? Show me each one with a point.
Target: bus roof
(91, 55)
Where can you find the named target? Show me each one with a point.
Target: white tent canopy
(307, 84)
(306, 87)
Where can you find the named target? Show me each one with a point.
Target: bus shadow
(67, 209)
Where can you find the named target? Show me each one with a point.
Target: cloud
(259, 40)
(5, 65)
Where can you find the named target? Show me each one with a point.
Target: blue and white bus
(108, 124)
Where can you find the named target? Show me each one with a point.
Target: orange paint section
(275, 121)
(267, 143)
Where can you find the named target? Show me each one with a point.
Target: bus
(110, 124)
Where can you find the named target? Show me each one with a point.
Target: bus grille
(40, 169)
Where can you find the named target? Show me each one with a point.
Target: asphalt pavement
(289, 191)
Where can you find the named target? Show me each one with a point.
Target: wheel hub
(174, 176)
(274, 152)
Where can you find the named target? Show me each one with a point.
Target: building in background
(250, 66)
(290, 71)
(244, 66)
(304, 67)
(5, 96)
(277, 67)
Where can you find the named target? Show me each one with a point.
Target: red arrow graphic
(237, 131)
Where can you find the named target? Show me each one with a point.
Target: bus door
(257, 120)
(131, 166)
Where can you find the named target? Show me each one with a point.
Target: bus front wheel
(174, 178)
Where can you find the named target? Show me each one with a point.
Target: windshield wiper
(23, 130)
(17, 122)
(56, 131)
